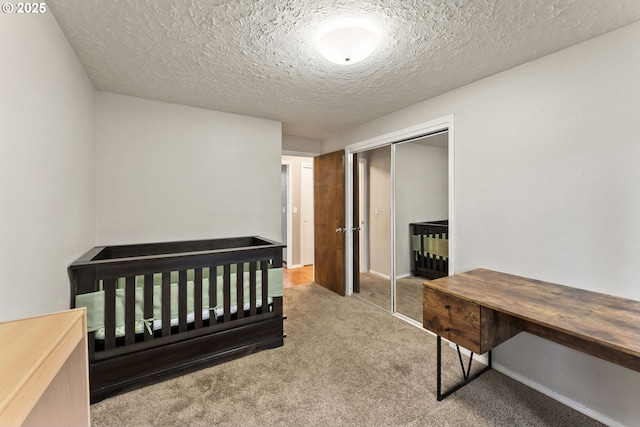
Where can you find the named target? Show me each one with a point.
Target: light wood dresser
(44, 377)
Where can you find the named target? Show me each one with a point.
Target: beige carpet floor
(344, 363)
(377, 290)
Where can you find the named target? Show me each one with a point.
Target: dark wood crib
(430, 249)
(169, 306)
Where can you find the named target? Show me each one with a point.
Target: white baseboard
(482, 358)
(291, 267)
(386, 276)
(383, 276)
(410, 320)
(556, 396)
(542, 389)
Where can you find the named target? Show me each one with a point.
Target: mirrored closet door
(421, 194)
(374, 180)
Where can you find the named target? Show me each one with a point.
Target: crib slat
(182, 301)
(197, 298)
(109, 313)
(264, 266)
(166, 303)
(91, 338)
(226, 290)
(277, 305)
(252, 288)
(130, 310)
(148, 305)
(213, 294)
(424, 257)
(240, 289)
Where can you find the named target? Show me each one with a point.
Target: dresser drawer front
(452, 318)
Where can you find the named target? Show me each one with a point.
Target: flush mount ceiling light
(347, 45)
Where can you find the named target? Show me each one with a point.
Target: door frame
(289, 242)
(304, 244)
(422, 129)
(363, 178)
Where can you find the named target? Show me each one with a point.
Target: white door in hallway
(306, 214)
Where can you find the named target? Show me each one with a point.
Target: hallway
(298, 276)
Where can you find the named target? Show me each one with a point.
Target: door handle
(344, 230)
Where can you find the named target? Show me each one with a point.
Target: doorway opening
(299, 219)
(285, 206)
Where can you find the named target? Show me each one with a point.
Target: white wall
(171, 172)
(548, 186)
(46, 165)
(421, 193)
(299, 145)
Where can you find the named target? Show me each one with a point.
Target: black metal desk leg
(465, 372)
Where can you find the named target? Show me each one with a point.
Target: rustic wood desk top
(602, 325)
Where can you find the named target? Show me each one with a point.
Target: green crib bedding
(433, 246)
(157, 278)
(94, 301)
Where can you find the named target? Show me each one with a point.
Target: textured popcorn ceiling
(256, 57)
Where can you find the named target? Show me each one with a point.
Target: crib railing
(430, 243)
(206, 288)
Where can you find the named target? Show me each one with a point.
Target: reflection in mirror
(421, 197)
(374, 176)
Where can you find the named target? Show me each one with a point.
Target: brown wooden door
(329, 219)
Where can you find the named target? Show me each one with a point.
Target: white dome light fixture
(347, 45)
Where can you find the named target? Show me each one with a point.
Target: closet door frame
(445, 123)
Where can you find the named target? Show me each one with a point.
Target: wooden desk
(44, 374)
(481, 309)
